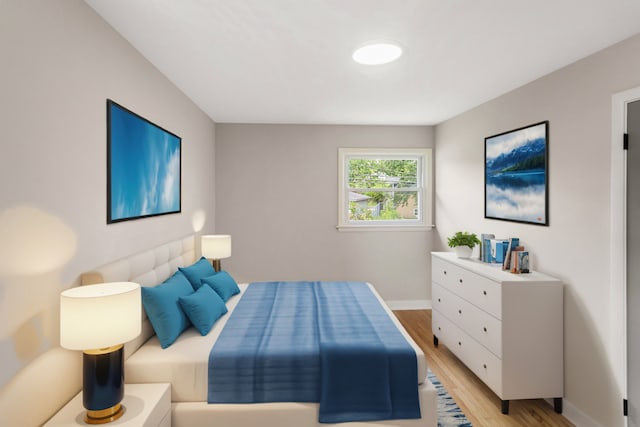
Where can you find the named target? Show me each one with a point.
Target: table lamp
(215, 247)
(99, 319)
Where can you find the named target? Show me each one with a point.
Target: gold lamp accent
(216, 247)
(99, 319)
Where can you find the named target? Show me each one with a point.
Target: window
(384, 188)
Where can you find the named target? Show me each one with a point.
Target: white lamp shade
(100, 316)
(216, 246)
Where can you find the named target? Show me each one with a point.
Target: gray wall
(60, 62)
(276, 194)
(575, 247)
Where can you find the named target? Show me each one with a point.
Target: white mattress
(185, 363)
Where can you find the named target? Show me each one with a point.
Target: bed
(184, 363)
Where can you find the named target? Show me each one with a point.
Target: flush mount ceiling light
(377, 53)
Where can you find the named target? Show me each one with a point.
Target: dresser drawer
(437, 327)
(447, 333)
(444, 301)
(443, 273)
(483, 363)
(483, 327)
(478, 290)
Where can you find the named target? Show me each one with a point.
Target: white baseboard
(413, 304)
(576, 416)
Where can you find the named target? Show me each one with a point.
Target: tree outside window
(383, 187)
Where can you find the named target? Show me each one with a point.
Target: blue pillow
(223, 284)
(203, 307)
(196, 271)
(163, 309)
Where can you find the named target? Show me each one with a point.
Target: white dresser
(507, 328)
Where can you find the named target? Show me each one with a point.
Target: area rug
(449, 413)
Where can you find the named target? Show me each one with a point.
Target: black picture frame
(144, 167)
(516, 175)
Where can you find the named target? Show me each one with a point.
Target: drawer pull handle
(460, 281)
(445, 272)
(439, 328)
(459, 311)
(484, 329)
(459, 343)
(484, 292)
(484, 366)
(439, 300)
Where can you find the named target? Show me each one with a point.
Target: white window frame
(425, 188)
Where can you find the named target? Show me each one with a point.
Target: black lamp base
(103, 384)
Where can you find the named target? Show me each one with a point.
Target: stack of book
(517, 259)
(485, 247)
(493, 250)
(507, 252)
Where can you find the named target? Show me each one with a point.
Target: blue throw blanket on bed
(326, 342)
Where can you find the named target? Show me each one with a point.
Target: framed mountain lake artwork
(516, 175)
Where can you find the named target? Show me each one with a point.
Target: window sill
(385, 227)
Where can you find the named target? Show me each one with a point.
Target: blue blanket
(326, 342)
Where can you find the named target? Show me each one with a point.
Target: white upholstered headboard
(148, 268)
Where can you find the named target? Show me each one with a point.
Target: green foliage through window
(383, 187)
(375, 173)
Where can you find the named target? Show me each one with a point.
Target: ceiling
(289, 61)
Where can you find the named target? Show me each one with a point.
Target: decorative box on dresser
(507, 328)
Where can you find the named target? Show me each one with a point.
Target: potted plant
(463, 243)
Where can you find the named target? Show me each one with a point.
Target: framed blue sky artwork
(516, 175)
(143, 167)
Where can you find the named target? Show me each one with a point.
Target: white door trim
(618, 286)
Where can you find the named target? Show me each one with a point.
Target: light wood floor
(478, 402)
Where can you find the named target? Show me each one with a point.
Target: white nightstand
(146, 405)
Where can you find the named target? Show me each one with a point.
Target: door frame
(618, 243)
